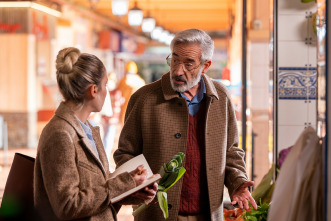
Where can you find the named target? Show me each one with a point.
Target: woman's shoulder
(53, 133)
(57, 125)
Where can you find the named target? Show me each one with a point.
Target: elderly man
(187, 111)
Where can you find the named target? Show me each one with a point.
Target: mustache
(179, 78)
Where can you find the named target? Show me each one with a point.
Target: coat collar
(169, 93)
(64, 112)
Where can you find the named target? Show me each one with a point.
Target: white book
(132, 165)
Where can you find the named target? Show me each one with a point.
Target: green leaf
(181, 172)
(253, 218)
(160, 188)
(170, 173)
(163, 202)
(179, 157)
(162, 171)
(172, 165)
(260, 214)
(182, 155)
(254, 212)
(164, 178)
(170, 180)
(264, 186)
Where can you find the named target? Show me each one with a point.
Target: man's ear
(93, 90)
(206, 66)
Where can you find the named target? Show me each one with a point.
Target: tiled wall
(259, 75)
(258, 103)
(296, 70)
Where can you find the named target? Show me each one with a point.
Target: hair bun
(66, 59)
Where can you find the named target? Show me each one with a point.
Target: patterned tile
(297, 83)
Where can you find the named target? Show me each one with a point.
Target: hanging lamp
(164, 36)
(148, 24)
(119, 7)
(156, 33)
(169, 38)
(135, 15)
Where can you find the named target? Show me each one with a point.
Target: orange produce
(234, 214)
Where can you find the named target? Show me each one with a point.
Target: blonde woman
(71, 169)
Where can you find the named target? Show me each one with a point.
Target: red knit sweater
(194, 195)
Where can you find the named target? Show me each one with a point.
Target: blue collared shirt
(194, 104)
(88, 132)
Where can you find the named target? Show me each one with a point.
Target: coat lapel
(88, 145)
(100, 147)
(68, 115)
(210, 88)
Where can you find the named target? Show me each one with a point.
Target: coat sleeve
(235, 171)
(62, 182)
(130, 140)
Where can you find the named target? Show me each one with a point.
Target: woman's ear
(93, 91)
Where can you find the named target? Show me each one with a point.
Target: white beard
(188, 84)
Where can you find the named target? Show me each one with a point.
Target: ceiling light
(164, 35)
(148, 24)
(26, 4)
(156, 33)
(135, 15)
(119, 7)
(169, 39)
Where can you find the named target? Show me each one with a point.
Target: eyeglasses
(175, 63)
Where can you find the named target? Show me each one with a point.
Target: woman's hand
(139, 175)
(148, 193)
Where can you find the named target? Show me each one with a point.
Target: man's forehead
(187, 51)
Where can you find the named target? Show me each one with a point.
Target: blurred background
(270, 54)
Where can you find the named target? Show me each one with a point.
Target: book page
(132, 165)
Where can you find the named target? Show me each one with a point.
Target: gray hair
(75, 72)
(195, 36)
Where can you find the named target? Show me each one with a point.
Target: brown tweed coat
(157, 125)
(70, 181)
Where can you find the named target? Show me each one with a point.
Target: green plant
(263, 191)
(259, 214)
(170, 173)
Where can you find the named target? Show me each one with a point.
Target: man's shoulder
(221, 89)
(150, 89)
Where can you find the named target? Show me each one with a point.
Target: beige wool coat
(157, 121)
(70, 181)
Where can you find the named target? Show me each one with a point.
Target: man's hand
(242, 196)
